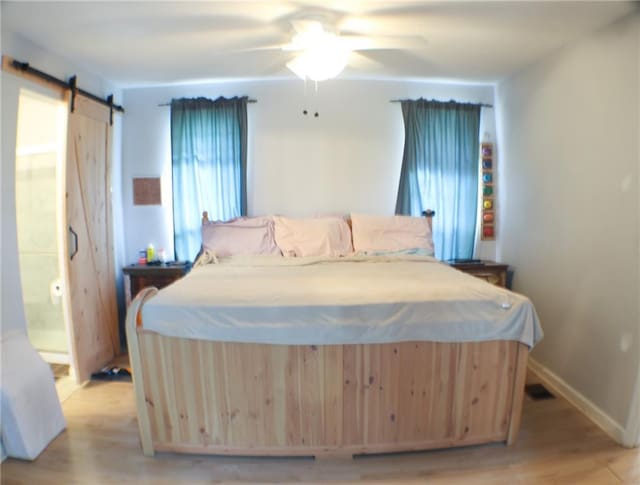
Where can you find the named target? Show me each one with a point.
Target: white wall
(346, 160)
(570, 211)
(14, 46)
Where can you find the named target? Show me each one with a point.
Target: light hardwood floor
(557, 445)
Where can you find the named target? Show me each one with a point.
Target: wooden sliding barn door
(92, 289)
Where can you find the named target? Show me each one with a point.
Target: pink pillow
(320, 236)
(390, 233)
(243, 236)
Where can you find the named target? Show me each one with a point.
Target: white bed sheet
(306, 301)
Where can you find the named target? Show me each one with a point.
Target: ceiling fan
(321, 53)
(317, 42)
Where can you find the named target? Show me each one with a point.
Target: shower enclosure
(40, 155)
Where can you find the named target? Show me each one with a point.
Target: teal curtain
(209, 165)
(440, 171)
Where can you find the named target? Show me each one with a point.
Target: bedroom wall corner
(570, 214)
(632, 432)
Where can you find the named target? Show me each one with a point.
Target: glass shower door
(40, 150)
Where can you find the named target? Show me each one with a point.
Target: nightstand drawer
(137, 277)
(490, 271)
(159, 281)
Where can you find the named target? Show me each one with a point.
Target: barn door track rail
(71, 85)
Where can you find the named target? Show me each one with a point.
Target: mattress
(347, 300)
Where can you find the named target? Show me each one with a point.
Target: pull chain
(304, 109)
(314, 102)
(316, 114)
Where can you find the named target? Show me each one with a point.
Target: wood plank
(446, 398)
(333, 375)
(243, 408)
(278, 399)
(92, 289)
(89, 108)
(519, 377)
(145, 396)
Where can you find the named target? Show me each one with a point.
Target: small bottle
(150, 253)
(162, 255)
(142, 256)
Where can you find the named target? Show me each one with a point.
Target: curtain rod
(248, 101)
(483, 105)
(71, 85)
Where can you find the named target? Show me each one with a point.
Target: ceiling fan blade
(363, 63)
(401, 17)
(257, 48)
(375, 42)
(290, 47)
(301, 25)
(276, 67)
(397, 61)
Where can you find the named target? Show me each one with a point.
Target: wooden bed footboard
(197, 396)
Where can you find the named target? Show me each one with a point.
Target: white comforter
(348, 300)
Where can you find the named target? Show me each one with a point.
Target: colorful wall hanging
(488, 219)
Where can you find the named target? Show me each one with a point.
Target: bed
(327, 355)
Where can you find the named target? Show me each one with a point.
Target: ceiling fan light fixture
(322, 55)
(298, 66)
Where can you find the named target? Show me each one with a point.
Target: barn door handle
(75, 243)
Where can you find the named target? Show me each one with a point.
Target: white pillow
(243, 236)
(375, 234)
(320, 236)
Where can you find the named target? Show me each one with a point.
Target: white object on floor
(31, 412)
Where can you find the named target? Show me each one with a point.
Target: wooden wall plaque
(147, 191)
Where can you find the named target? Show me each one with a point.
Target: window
(440, 171)
(209, 165)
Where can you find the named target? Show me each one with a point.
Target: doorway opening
(40, 190)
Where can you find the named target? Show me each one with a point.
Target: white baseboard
(558, 386)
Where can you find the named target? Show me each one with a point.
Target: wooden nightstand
(137, 276)
(490, 271)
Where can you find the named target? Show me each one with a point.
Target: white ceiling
(150, 43)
